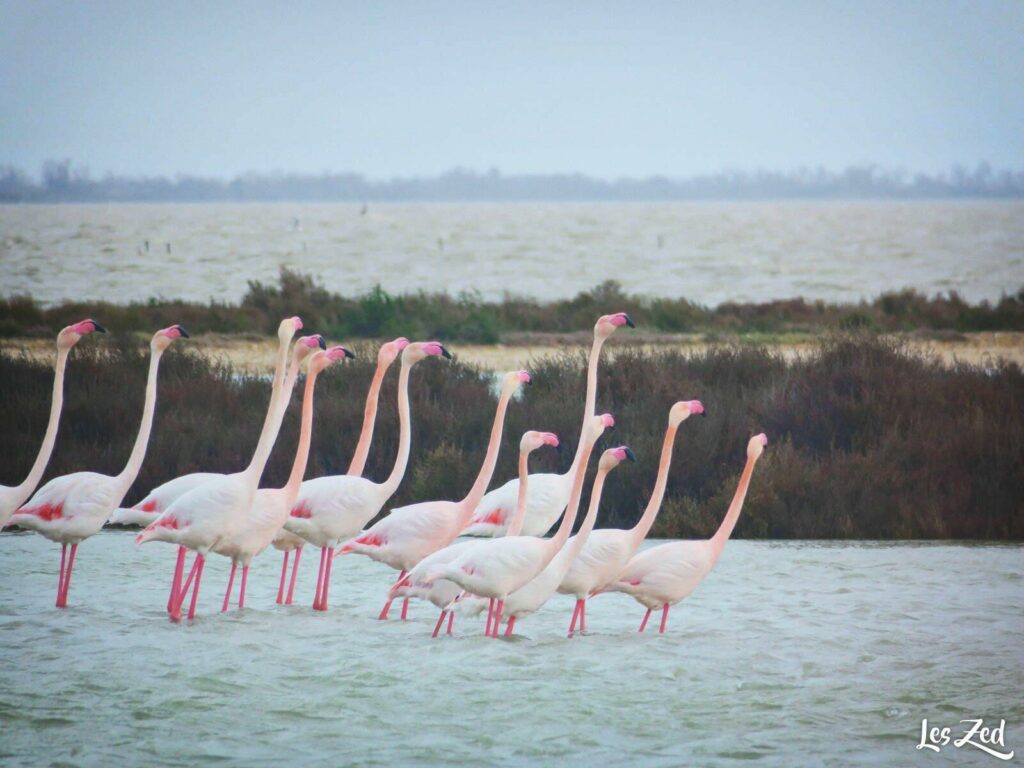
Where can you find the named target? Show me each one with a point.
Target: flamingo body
(546, 496)
(156, 501)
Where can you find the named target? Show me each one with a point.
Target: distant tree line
(61, 181)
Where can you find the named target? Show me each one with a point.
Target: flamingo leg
(231, 583)
(319, 579)
(63, 598)
(200, 561)
(179, 572)
(440, 621)
(664, 619)
(511, 624)
(329, 555)
(241, 593)
(295, 572)
(60, 580)
(497, 617)
(490, 617)
(383, 615)
(405, 609)
(643, 624)
(583, 615)
(179, 598)
(575, 615)
(451, 619)
(284, 574)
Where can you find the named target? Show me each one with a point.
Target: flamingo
(410, 533)
(442, 592)
(608, 550)
(156, 501)
(271, 505)
(12, 497)
(529, 598)
(330, 509)
(666, 574)
(198, 519)
(71, 508)
(549, 492)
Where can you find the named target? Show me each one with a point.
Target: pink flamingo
(549, 492)
(330, 509)
(12, 497)
(442, 592)
(200, 518)
(410, 533)
(271, 505)
(666, 574)
(608, 550)
(72, 508)
(160, 498)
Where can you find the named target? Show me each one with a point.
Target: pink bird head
(324, 358)
(418, 350)
(524, 377)
(163, 338)
(606, 324)
(683, 410)
(611, 458)
(390, 350)
(338, 352)
(306, 345)
(69, 336)
(533, 440)
(757, 445)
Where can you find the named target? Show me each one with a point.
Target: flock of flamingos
(507, 566)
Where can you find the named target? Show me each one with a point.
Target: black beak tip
(320, 342)
(349, 354)
(446, 353)
(704, 414)
(97, 327)
(182, 331)
(629, 322)
(630, 455)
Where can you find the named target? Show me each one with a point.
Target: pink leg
(319, 579)
(179, 572)
(490, 617)
(67, 577)
(231, 583)
(405, 609)
(60, 580)
(195, 587)
(583, 615)
(664, 618)
(327, 578)
(451, 619)
(497, 617)
(511, 624)
(179, 598)
(643, 624)
(241, 595)
(295, 572)
(284, 574)
(440, 621)
(575, 615)
(383, 615)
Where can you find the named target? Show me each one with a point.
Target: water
(708, 252)
(789, 654)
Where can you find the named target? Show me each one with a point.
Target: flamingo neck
(389, 486)
(483, 479)
(516, 526)
(277, 383)
(35, 474)
(131, 469)
(268, 437)
(358, 463)
(565, 528)
(643, 526)
(590, 403)
(729, 522)
(291, 488)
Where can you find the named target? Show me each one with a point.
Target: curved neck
(131, 469)
(358, 462)
(389, 486)
(278, 407)
(565, 528)
(725, 529)
(291, 488)
(590, 401)
(56, 402)
(516, 526)
(277, 383)
(643, 526)
(483, 478)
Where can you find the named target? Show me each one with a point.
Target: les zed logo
(975, 735)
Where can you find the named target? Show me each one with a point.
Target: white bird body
(603, 556)
(331, 509)
(440, 592)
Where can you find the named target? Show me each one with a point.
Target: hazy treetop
(603, 88)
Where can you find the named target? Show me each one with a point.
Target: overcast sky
(606, 88)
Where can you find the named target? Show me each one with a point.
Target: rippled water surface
(708, 252)
(789, 654)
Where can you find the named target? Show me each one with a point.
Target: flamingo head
(324, 358)
(683, 410)
(756, 446)
(610, 459)
(606, 324)
(69, 336)
(533, 440)
(596, 425)
(307, 345)
(510, 381)
(288, 328)
(162, 339)
(418, 350)
(390, 351)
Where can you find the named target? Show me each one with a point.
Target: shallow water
(789, 654)
(708, 252)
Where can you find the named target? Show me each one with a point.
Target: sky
(609, 89)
